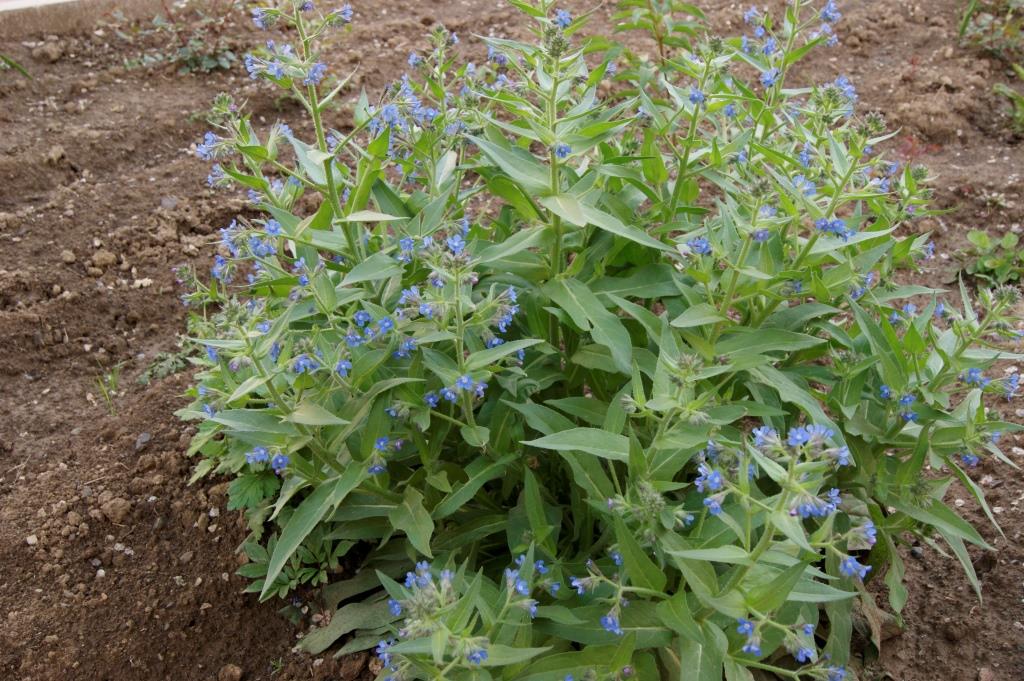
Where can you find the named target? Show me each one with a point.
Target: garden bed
(112, 567)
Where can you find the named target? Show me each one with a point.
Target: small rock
(32, 540)
(986, 674)
(68, 256)
(186, 557)
(230, 672)
(142, 440)
(48, 52)
(917, 552)
(116, 510)
(55, 154)
(103, 259)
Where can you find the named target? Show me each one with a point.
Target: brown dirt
(111, 567)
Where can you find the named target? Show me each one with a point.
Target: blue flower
(279, 462)
(456, 244)
(752, 16)
(700, 246)
(798, 436)
(211, 353)
(414, 59)
(394, 607)
(275, 69)
(362, 318)
(769, 47)
(260, 17)
(746, 627)
(969, 459)
(206, 150)
(345, 13)
(216, 175)
(616, 557)
(835, 226)
(464, 382)
(315, 74)
(765, 436)
(382, 444)
(257, 455)
(263, 327)
(1011, 384)
(804, 186)
(696, 97)
(377, 466)
(907, 400)
(343, 367)
(304, 364)
(836, 673)
(476, 655)
(975, 377)
(830, 13)
(610, 622)
(761, 235)
(431, 399)
(563, 19)
(870, 534)
(385, 324)
(714, 503)
(449, 394)
(562, 150)
(849, 567)
(730, 110)
(272, 228)
(708, 479)
(353, 339)
(769, 77)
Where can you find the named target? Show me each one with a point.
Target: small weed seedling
(996, 261)
(108, 384)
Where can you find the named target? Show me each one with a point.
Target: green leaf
(499, 655)
(771, 595)
(590, 440)
(589, 314)
(675, 613)
(412, 518)
(698, 315)
(307, 516)
(610, 223)
(344, 620)
(377, 267)
(567, 207)
(247, 491)
(478, 473)
(519, 165)
(371, 216)
(312, 414)
(482, 358)
(642, 571)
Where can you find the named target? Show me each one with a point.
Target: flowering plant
(635, 373)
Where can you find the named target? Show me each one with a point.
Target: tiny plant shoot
(602, 386)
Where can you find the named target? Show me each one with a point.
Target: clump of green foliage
(193, 35)
(601, 387)
(995, 26)
(994, 260)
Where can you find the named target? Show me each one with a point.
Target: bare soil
(113, 568)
